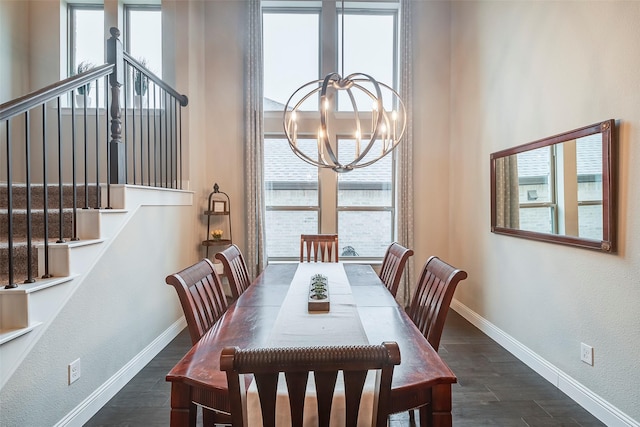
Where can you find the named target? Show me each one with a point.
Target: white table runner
(295, 326)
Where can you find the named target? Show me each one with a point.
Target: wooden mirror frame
(609, 188)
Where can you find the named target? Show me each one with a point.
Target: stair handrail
(184, 101)
(52, 91)
(156, 150)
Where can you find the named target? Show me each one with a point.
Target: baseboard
(590, 401)
(96, 400)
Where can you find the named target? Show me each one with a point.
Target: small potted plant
(140, 84)
(86, 89)
(216, 234)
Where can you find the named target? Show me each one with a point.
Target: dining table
(421, 380)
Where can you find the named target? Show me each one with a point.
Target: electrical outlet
(586, 354)
(74, 371)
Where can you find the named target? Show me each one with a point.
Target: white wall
(225, 100)
(14, 59)
(204, 48)
(124, 304)
(521, 71)
(431, 168)
(120, 308)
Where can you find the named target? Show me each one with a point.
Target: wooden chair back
(235, 269)
(319, 247)
(201, 296)
(296, 363)
(433, 295)
(393, 266)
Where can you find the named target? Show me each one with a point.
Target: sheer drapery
(507, 193)
(254, 141)
(405, 152)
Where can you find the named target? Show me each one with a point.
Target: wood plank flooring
(494, 388)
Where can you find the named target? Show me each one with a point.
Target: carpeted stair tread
(19, 196)
(37, 223)
(19, 217)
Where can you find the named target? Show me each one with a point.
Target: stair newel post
(116, 170)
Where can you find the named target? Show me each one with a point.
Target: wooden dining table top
(248, 323)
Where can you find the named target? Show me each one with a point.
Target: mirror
(559, 189)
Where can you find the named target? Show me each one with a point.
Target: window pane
(291, 55)
(283, 230)
(145, 37)
(590, 221)
(88, 43)
(368, 233)
(288, 180)
(534, 172)
(369, 186)
(369, 48)
(537, 219)
(589, 166)
(88, 47)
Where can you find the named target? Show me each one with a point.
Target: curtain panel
(254, 141)
(404, 177)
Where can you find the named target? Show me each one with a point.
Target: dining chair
(319, 246)
(203, 302)
(430, 305)
(235, 268)
(325, 362)
(393, 266)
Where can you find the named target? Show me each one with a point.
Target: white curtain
(254, 141)
(405, 153)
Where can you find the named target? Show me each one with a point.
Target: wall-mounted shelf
(218, 215)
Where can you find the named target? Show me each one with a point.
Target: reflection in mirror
(558, 189)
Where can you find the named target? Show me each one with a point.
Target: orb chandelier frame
(387, 127)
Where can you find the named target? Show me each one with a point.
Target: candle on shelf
(358, 143)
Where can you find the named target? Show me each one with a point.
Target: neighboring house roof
(282, 165)
(589, 159)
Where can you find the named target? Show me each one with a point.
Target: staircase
(32, 303)
(59, 232)
(38, 193)
(26, 310)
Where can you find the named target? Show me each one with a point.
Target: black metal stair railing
(82, 150)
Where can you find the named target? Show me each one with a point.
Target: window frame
(71, 39)
(128, 8)
(329, 58)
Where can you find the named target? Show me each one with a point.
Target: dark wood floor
(494, 388)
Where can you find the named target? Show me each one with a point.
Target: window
(358, 205)
(589, 168)
(86, 45)
(144, 36)
(550, 203)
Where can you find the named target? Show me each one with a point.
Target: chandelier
(376, 120)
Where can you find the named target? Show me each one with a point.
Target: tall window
(358, 205)
(86, 36)
(86, 46)
(144, 36)
(551, 203)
